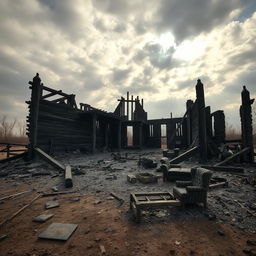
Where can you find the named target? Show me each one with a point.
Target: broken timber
(15, 195)
(55, 163)
(49, 159)
(184, 155)
(233, 156)
(19, 211)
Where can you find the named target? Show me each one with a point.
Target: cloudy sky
(156, 49)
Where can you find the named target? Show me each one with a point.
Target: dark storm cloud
(140, 85)
(116, 7)
(191, 83)
(190, 18)
(158, 57)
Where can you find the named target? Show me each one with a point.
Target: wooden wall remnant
(219, 127)
(246, 124)
(201, 120)
(58, 125)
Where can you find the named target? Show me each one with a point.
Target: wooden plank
(184, 155)
(55, 91)
(51, 94)
(217, 185)
(49, 159)
(159, 203)
(233, 156)
(15, 195)
(68, 177)
(19, 211)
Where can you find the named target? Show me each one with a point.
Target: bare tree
(21, 128)
(6, 128)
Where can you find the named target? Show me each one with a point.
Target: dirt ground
(102, 221)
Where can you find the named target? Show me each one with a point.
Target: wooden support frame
(184, 155)
(229, 159)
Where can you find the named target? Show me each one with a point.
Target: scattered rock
(247, 250)
(251, 242)
(102, 250)
(55, 189)
(2, 237)
(97, 202)
(221, 233)
(52, 204)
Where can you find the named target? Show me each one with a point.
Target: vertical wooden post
(246, 123)
(132, 109)
(140, 135)
(106, 134)
(127, 106)
(94, 119)
(36, 95)
(208, 121)
(189, 105)
(119, 135)
(8, 150)
(201, 120)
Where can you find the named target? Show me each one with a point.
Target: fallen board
(43, 217)
(49, 159)
(58, 231)
(52, 204)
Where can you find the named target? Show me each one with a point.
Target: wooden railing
(11, 148)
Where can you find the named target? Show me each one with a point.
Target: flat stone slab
(52, 204)
(43, 217)
(58, 231)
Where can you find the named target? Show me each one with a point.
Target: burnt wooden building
(56, 123)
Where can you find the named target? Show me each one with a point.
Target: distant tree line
(12, 130)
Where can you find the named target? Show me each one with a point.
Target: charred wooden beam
(201, 120)
(231, 158)
(49, 159)
(184, 155)
(51, 94)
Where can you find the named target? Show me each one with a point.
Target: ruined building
(58, 124)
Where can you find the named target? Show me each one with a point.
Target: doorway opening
(129, 136)
(163, 136)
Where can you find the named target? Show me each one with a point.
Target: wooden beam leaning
(184, 155)
(49, 159)
(229, 159)
(55, 163)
